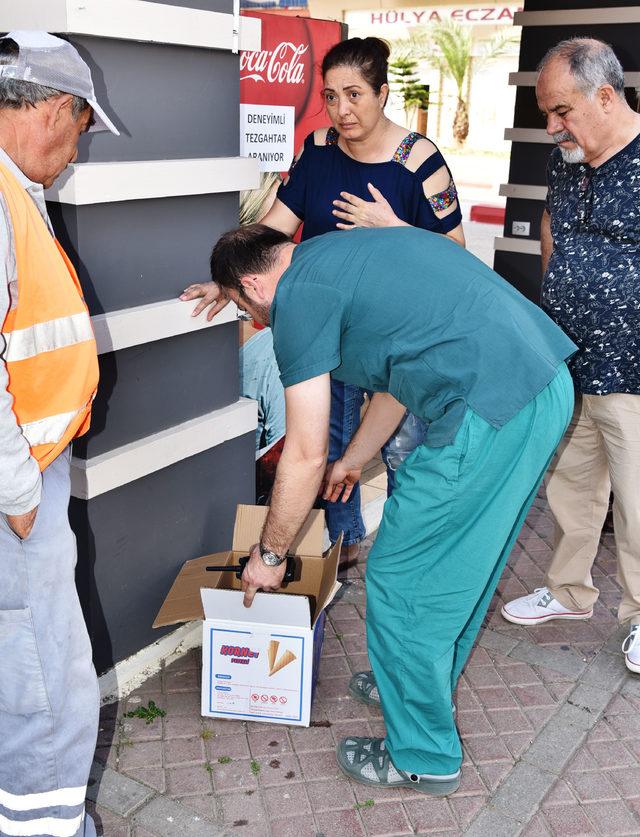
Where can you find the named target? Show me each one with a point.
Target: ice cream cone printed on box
(286, 658)
(272, 651)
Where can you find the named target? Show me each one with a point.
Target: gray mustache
(563, 136)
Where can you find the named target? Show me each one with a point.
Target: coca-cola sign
(285, 72)
(282, 65)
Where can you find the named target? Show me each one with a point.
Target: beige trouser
(599, 453)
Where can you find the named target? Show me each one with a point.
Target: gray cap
(50, 61)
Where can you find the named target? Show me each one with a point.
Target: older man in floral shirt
(591, 255)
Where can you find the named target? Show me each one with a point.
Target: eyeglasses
(585, 202)
(241, 314)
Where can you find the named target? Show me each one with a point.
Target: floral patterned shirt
(592, 284)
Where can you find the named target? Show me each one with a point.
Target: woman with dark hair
(363, 171)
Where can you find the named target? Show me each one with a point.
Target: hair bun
(378, 44)
(369, 56)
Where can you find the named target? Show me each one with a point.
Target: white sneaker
(631, 648)
(539, 607)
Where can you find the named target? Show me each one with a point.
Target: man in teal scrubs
(427, 327)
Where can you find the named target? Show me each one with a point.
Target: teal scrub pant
(443, 542)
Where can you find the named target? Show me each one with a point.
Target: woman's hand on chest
(356, 212)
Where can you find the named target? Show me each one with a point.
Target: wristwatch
(270, 558)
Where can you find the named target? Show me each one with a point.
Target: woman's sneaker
(631, 649)
(538, 607)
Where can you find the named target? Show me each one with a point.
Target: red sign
(286, 71)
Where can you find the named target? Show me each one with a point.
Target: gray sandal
(363, 687)
(367, 760)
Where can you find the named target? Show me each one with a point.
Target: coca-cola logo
(281, 65)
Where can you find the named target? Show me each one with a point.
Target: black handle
(289, 573)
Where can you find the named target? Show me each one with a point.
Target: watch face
(270, 558)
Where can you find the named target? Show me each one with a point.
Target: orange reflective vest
(50, 349)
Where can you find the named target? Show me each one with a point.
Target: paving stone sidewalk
(549, 718)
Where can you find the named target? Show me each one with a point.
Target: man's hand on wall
(22, 524)
(209, 295)
(258, 576)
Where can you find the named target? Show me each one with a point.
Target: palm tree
(454, 45)
(450, 47)
(415, 96)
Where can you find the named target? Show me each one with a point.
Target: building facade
(171, 448)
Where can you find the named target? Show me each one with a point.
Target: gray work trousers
(49, 699)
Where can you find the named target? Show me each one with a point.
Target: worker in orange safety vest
(48, 379)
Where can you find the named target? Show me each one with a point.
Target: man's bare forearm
(381, 419)
(294, 493)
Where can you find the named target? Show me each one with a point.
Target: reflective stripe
(48, 430)
(23, 343)
(51, 826)
(29, 801)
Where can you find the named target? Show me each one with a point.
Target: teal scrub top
(410, 312)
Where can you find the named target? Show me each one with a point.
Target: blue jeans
(346, 403)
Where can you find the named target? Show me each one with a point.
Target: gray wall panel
(167, 101)
(206, 5)
(524, 210)
(138, 252)
(543, 5)
(522, 270)
(529, 162)
(171, 103)
(148, 388)
(536, 40)
(133, 540)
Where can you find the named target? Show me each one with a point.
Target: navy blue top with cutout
(323, 171)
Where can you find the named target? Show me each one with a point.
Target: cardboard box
(259, 662)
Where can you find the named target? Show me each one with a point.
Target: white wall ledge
(578, 17)
(528, 246)
(132, 20)
(147, 323)
(99, 474)
(528, 135)
(90, 183)
(527, 79)
(523, 191)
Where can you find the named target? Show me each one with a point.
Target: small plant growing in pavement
(368, 803)
(224, 760)
(255, 767)
(148, 713)
(206, 734)
(208, 767)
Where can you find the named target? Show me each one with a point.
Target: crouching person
(427, 327)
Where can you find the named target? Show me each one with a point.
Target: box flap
(250, 520)
(329, 585)
(267, 609)
(315, 575)
(183, 602)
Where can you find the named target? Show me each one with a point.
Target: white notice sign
(266, 133)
